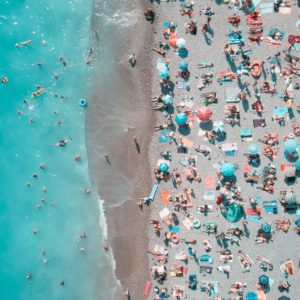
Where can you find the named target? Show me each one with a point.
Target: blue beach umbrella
(163, 167)
(227, 169)
(167, 100)
(218, 126)
(297, 165)
(181, 119)
(251, 296)
(253, 149)
(290, 145)
(183, 66)
(263, 280)
(181, 43)
(164, 73)
(266, 227)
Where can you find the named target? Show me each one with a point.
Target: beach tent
(181, 43)
(167, 100)
(263, 280)
(183, 66)
(290, 146)
(227, 169)
(204, 113)
(251, 296)
(297, 165)
(253, 149)
(181, 119)
(234, 213)
(218, 126)
(266, 227)
(163, 167)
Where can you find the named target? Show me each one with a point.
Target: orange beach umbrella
(173, 41)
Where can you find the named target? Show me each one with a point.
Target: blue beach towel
(175, 229)
(270, 207)
(246, 132)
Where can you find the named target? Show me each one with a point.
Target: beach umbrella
(297, 165)
(183, 65)
(266, 227)
(234, 213)
(227, 169)
(164, 72)
(218, 126)
(173, 41)
(163, 167)
(290, 145)
(167, 100)
(181, 119)
(204, 113)
(180, 43)
(251, 296)
(253, 149)
(263, 280)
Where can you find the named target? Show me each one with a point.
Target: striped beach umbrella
(290, 146)
(167, 100)
(181, 43)
(183, 65)
(204, 113)
(163, 167)
(218, 126)
(227, 169)
(266, 227)
(181, 119)
(253, 149)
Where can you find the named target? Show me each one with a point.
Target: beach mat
(164, 196)
(270, 207)
(187, 142)
(147, 288)
(259, 123)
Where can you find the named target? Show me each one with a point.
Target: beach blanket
(210, 182)
(175, 229)
(188, 223)
(164, 196)
(187, 142)
(246, 134)
(266, 8)
(164, 213)
(183, 85)
(270, 207)
(147, 288)
(259, 123)
(232, 94)
(254, 211)
(164, 136)
(209, 195)
(229, 149)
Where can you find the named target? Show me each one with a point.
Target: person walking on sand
(132, 60)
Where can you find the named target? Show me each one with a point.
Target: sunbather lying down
(270, 138)
(266, 88)
(296, 129)
(191, 174)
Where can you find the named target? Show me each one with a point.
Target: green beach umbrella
(163, 167)
(297, 165)
(227, 169)
(234, 213)
(266, 227)
(167, 100)
(183, 66)
(181, 119)
(290, 145)
(253, 149)
(263, 280)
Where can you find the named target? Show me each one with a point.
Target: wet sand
(126, 176)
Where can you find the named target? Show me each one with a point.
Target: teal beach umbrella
(263, 280)
(218, 126)
(164, 73)
(181, 43)
(163, 167)
(266, 227)
(253, 149)
(297, 165)
(183, 66)
(167, 100)
(290, 145)
(181, 119)
(234, 213)
(251, 296)
(227, 169)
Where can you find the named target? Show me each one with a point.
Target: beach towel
(210, 182)
(187, 142)
(164, 136)
(147, 288)
(164, 196)
(253, 218)
(246, 134)
(254, 211)
(229, 149)
(215, 289)
(164, 213)
(187, 223)
(209, 195)
(285, 10)
(183, 85)
(232, 94)
(266, 8)
(270, 207)
(175, 229)
(259, 123)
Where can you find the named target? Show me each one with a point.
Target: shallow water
(57, 28)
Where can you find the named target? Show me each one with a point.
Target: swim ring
(83, 102)
(196, 224)
(175, 238)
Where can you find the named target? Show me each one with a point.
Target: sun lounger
(246, 134)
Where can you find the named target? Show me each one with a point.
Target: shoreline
(127, 235)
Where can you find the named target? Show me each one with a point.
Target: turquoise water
(56, 28)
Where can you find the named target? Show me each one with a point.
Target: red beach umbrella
(204, 113)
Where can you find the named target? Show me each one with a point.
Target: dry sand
(284, 245)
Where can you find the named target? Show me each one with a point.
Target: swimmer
(77, 157)
(60, 122)
(34, 175)
(105, 247)
(82, 250)
(42, 166)
(18, 45)
(29, 275)
(34, 230)
(43, 251)
(28, 184)
(62, 283)
(63, 61)
(61, 143)
(87, 190)
(45, 261)
(38, 206)
(39, 64)
(4, 80)
(55, 74)
(81, 236)
(44, 189)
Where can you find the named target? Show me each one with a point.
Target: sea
(44, 207)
